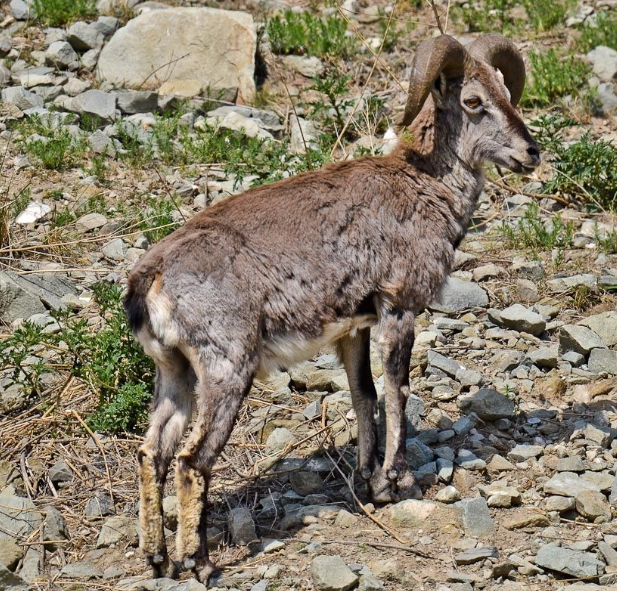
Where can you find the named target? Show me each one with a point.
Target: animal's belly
(286, 350)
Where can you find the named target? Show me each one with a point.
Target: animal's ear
(440, 89)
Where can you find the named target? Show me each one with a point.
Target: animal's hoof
(204, 570)
(163, 567)
(380, 487)
(407, 487)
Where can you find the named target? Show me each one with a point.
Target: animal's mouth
(523, 167)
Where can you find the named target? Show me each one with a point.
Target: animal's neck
(433, 147)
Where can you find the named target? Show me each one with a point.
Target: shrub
(305, 34)
(108, 359)
(60, 12)
(604, 33)
(553, 76)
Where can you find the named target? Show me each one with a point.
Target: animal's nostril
(533, 151)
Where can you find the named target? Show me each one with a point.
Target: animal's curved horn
(433, 57)
(502, 54)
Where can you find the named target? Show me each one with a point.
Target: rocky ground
(109, 144)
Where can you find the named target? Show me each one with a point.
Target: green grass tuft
(55, 13)
(306, 34)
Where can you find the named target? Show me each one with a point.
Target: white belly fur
(291, 348)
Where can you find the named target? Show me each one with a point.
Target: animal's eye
(473, 103)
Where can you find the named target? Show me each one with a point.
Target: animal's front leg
(355, 353)
(396, 336)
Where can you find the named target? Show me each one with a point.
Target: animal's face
(491, 130)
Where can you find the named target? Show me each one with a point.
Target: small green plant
(108, 359)
(98, 167)
(587, 169)
(532, 233)
(332, 109)
(60, 12)
(306, 34)
(54, 148)
(553, 76)
(603, 33)
(608, 242)
(498, 16)
(156, 221)
(135, 151)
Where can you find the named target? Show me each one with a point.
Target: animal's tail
(135, 300)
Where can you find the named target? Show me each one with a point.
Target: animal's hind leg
(173, 400)
(221, 387)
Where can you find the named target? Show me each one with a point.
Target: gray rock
(570, 562)
(10, 553)
(17, 302)
(61, 55)
(100, 505)
(304, 134)
(563, 284)
(522, 319)
(488, 404)
(330, 573)
(60, 472)
(476, 517)
(571, 464)
(445, 469)
(170, 512)
(102, 143)
(560, 504)
(414, 409)
(20, 97)
(608, 552)
(570, 484)
(604, 325)
(607, 93)
(115, 249)
(464, 424)
(138, 55)
(577, 338)
(54, 527)
(411, 512)
(95, 103)
(50, 289)
(445, 364)
(573, 358)
(448, 494)
(5, 75)
(280, 438)
(81, 570)
(474, 555)
(417, 453)
(83, 36)
(603, 361)
(370, 583)
(90, 221)
(458, 295)
(469, 461)
(18, 516)
(6, 44)
(593, 504)
(11, 581)
(468, 377)
(306, 483)
(21, 9)
(307, 66)
(31, 565)
(520, 453)
(107, 25)
(241, 526)
(604, 62)
(120, 529)
(547, 357)
(131, 102)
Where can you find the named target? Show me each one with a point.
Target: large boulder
(215, 48)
